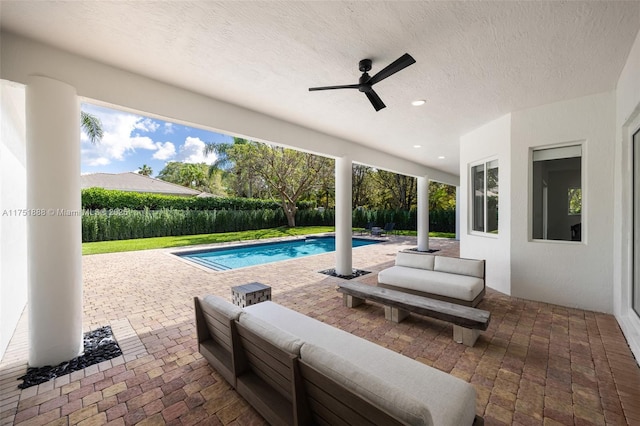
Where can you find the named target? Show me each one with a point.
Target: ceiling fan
(366, 81)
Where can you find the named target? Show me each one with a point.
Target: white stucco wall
(13, 230)
(627, 122)
(566, 273)
(491, 141)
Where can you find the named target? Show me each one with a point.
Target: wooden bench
(467, 322)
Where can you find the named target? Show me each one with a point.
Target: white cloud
(100, 161)
(142, 142)
(117, 140)
(191, 152)
(124, 135)
(147, 125)
(165, 151)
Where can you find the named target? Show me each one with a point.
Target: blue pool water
(222, 259)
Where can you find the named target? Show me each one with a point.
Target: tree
(397, 191)
(287, 174)
(361, 185)
(145, 170)
(193, 176)
(185, 174)
(441, 196)
(92, 126)
(324, 190)
(239, 180)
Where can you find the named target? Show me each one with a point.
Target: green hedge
(105, 225)
(99, 198)
(122, 224)
(439, 220)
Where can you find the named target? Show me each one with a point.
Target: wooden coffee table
(467, 322)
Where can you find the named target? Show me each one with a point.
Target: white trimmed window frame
(583, 184)
(485, 163)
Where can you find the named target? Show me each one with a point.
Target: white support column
(423, 213)
(54, 223)
(458, 213)
(343, 216)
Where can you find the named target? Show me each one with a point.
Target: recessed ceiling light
(417, 146)
(419, 102)
(441, 157)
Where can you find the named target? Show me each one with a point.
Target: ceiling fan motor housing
(363, 83)
(364, 65)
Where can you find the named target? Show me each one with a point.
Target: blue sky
(132, 140)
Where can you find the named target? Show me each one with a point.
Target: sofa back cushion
(396, 402)
(453, 265)
(279, 338)
(415, 260)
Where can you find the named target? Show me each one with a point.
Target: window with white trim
(557, 193)
(484, 203)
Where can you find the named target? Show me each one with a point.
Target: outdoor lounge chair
(367, 228)
(388, 228)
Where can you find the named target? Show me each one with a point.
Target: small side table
(250, 294)
(376, 231)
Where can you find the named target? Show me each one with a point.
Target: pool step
(208, 263)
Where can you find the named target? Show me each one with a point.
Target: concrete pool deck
(536, 364)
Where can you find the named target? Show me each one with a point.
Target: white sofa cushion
(272, 334)
(415, 260)
(215, 303)
(450, 400)
(460, 287)
(452, 265)
(360, 381)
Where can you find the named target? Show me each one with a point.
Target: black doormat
(423, 251)
(354, 274)
(99, 346)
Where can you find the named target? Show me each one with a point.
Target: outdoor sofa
(295, 370)
(455, 280)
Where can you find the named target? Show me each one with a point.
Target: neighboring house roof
(206, 195)
(133, 182)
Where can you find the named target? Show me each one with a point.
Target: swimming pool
(225, 258)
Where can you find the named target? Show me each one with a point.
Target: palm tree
(222, 154)
(145, 170)
(223, 162)
(92, 126)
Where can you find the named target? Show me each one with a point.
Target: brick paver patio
(536, 364)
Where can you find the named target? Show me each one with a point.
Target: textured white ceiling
(475, 60)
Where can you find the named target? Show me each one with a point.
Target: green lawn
(431, 234)
(190, 240)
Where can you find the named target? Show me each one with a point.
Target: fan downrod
(364, 65)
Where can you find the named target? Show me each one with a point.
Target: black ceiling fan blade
(398, 65)
(375, 100)
(345, 86)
